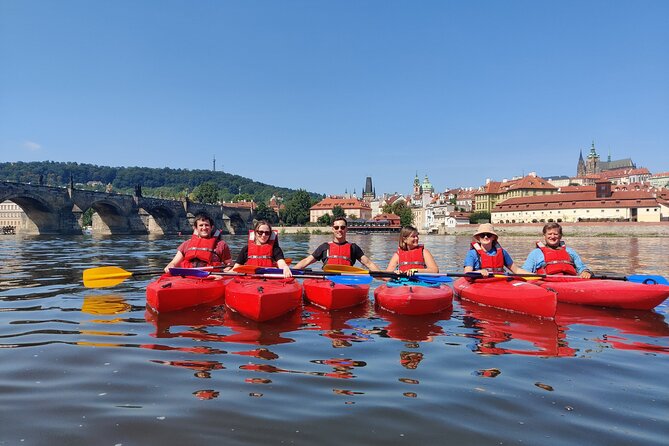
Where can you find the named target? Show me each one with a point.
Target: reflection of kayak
(263, 299)
(497, 329)
(172, 293)
(316, 318)
(606, 293)
(628, 322)
(332, 296)
(509, 294)
(413, 298)
(417, 328)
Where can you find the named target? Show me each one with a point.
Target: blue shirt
(472, 258)
(536, 261)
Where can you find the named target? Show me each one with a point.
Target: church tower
(592, 165)
(368, 193)
(427, 186)
(580, 167)
(417, 189)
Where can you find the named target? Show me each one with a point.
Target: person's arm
(511, 266)
(242, 257)
(581, 269)
(472, 262)
(430, 263)
(278, 257)
(394, 261)
(308, 260)
(369, 264)
(534, 260)
(223, 253)
(178, 257)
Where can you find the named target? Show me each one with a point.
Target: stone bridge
(59, 210)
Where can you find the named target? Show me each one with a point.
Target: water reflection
(302, 370)
(500, 332)
(338, 326)
(420, 328)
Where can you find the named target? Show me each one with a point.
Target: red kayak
(606, 293)
(333, 296)
(172, 293)
(508, 294)
(261, 299)
(414, 299)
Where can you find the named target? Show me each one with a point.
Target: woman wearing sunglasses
(486, 256)
(263, 249)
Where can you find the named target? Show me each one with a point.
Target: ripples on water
(82, 366)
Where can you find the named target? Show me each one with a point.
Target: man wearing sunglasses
(339, 251)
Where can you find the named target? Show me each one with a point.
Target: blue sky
(321, 94)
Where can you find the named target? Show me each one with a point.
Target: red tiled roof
(344, 203)
(578, 200)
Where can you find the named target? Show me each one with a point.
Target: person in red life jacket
(339, 251)
(204, 248)
(486, 256)
(263, 249)
(411, 258)
(552, 256)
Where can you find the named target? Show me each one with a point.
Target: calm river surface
(91, 366)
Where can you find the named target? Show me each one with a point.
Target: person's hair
(552, 225)
(340, 219)
(202, 216)
(259, 223)
(405, 232)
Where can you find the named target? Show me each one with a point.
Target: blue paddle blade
(432, 279)
(190, 272)
(350, 280)
(648, 279)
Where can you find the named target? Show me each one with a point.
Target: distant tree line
(199, 185)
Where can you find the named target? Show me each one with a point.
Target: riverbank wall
(581, 229)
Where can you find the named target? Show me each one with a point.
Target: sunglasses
(486, 235)
(339, 227)
(263, 232)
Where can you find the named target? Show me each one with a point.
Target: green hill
(163, 183)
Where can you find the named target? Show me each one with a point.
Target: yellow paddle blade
(344, 269)
(105, 276)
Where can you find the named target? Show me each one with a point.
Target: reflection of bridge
(59, 210)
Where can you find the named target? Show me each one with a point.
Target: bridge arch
(41, 216)
(108, 218)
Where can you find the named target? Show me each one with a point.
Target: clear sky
(321, 94)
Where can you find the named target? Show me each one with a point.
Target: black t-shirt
(243, 257)
(320, 252)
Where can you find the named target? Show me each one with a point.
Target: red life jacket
(409, 259)
(338, 254)
(558, 260)
(201, 251)
(494, 263)
(261, 255)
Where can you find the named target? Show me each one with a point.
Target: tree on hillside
(242, 197)
(297, 208)
(206, 193)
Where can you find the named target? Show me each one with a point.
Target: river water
(91, 366)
